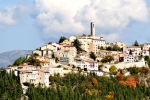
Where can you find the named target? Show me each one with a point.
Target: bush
(73, 66)
(149, 64)
(50, 78)
(112, 69)
(94, 81)
(144, 70)
(133, 70)
(65, 68)
(26, 84)
(146, 58)
(58, 66)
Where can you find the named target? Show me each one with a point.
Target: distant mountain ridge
(8, 58)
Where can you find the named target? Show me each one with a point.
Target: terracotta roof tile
(44, 62)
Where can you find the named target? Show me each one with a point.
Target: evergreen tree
(53, 56)
(93, 56)
(62, 38)
(135, 43)
(77, 44)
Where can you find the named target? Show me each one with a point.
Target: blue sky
(30, 24)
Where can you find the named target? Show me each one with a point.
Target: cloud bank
(54, 18)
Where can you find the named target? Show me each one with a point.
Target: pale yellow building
(119, 44)
(66, 42)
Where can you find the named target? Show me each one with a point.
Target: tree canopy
(32, 61)
(107, 58)
(77, 44)
(135, 43)
(93, 56)
(114, 48)
(19, 61)
(53, 56)
(10, 86)
(35, 54)
(62, 38)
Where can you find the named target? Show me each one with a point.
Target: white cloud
(111, 37)
(13, 15)
(74, 16)
(57, 17)
(6, 17)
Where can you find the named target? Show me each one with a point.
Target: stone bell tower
(92, 28)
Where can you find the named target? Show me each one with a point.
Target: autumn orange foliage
(88, 91)
(94, 81)
(129, 82)
(120, 76)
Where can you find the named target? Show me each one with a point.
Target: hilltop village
(84, 54)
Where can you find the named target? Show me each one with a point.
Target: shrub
(149, 64)
(133, 70)
(146, 58)
(58, 66)
(112, 69)
(26, 84)
(50, 78)
(65, 68)
(131, 82)
(94, 81)
(73, 66)
(144, 70)
(120, 76)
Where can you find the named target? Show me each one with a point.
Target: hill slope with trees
(8, 58)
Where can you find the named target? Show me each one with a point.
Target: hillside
(7, 58)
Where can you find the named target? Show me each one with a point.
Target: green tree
(32, 61)
(112, 69)
(62, 38)
(109, 48)
(107, 58)
(77, 44)
(35, 54)
(146, 58)
(58, 66)
(56, 59)
(149, 64)
(135, 43)
(130, 52)
(93, 56)
(101, 48)
(37, 49)
(116, 48)
(53, 56)
(19, 61)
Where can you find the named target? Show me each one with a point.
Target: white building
(87, 65)
(129, 58)
(134, 49)
(146, 46)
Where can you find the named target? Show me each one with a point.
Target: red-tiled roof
(44, 62)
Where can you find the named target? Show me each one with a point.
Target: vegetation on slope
(10, 87)
(90, 87)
